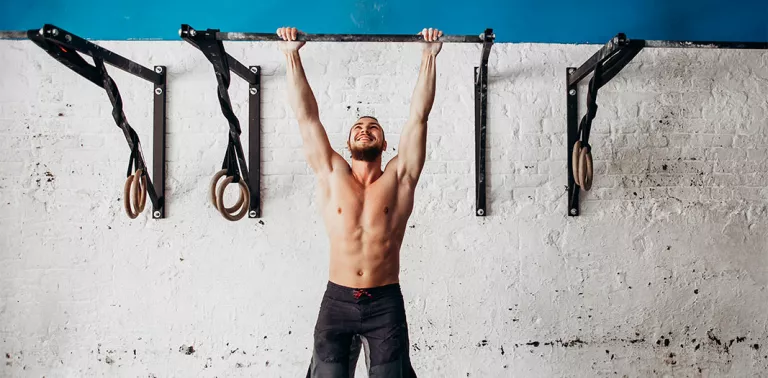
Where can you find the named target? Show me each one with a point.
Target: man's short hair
(371, 117)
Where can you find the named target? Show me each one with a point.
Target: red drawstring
(359, 293)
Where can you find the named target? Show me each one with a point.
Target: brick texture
(664, 273)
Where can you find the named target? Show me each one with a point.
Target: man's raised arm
(413, 140)
(317, 148)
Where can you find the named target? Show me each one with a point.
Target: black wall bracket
(65, 46)
(209, 43)
(481, 119)
(605, 64)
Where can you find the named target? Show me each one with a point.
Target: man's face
(366, 140)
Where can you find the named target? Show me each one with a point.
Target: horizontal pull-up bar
(706, 45)
(236, 36)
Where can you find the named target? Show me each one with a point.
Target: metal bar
(65, 38)
(481, 106)
(254, 143)
(706, 45)
(613, 66)
(481, 103)
(13, 34)
(488, 38)
(235, 36)
(158, 144)
(607, 51)
(571, 94)
(241, 70)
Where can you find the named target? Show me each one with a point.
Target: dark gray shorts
(373, 318)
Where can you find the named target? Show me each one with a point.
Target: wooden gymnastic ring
(585, 161)
(139, 186)
(575, 162)
(244, 200)
(582, 169)
(214, 183)
(214, 187)
(127, 197)
(245, 197)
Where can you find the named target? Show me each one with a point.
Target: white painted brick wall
(664, 274)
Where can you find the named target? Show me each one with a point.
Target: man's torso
(365, 225)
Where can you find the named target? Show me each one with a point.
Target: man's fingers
(431, 34)
(288, 33)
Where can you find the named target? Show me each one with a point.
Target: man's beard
(367, 154)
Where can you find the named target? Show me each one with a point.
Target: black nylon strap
(585, 126)
(117, 113)
(234, 159)
(603, 73)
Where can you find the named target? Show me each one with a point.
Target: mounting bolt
(55, 32)
(254, 91)
(570, 71)
(254, 69)
(68, 38)
(157, 214)
(252, 214)
(480, 212)
(158, 91)
(192, 32)
(159, 69)
(573, 211)
(572, 92)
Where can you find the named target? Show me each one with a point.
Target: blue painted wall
(574, 21)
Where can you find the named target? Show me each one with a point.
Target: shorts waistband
(351, 294)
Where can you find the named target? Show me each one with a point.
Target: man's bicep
(412, 150)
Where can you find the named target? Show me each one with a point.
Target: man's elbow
(418, 118)
(306, 118)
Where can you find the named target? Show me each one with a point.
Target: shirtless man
(365, 211)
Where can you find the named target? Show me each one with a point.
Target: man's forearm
(424, 94)
(299, 92)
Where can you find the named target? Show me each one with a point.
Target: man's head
(366, 139)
